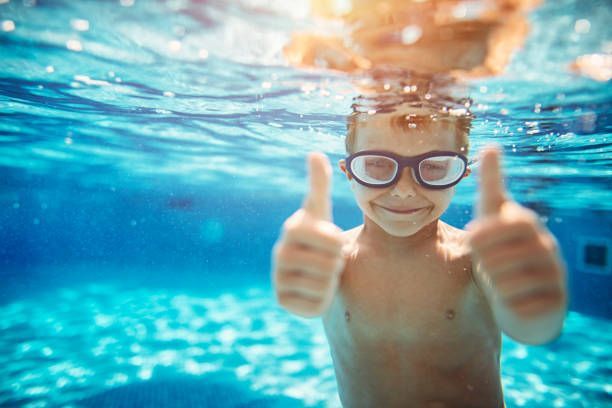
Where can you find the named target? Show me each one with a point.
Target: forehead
(416, 136)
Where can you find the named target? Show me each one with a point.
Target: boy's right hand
(308, 257)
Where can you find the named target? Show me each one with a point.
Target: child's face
(377, 134)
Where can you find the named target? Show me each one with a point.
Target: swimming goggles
(434, 170)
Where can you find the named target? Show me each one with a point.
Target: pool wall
(209, 239)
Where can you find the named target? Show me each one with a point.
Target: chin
(400, 234)
(406, 228)
(403, 231)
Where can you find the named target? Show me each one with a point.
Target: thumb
(317, 202)
(492, 190)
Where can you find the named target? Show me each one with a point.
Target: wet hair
(428, 101)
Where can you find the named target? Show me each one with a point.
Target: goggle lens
(434, 171)
(374, 169)
(440, 171)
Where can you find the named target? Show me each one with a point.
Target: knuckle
(290, 300)
(295, 281)
(550, 243)
(281, 278)
(521, 223)
(544, 244)
(302, 232)
(294, 222)
(287, 226)
(276, 277)
(284, 297)
(529, 214)
(306, 307)
(330, 228)
(277, 249)
(291, 231)
(281, 254)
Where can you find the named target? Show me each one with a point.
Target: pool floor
(100, 343)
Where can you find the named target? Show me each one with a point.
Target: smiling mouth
(402, 210)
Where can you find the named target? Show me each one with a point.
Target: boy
(412, 307)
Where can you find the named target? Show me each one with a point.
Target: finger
(512, 257)
(303, 305)
(492, 233)
(298, 300)
(297, 282)
(321, 236)
(503, 272)
(317, 202)
(314, 264)
(492, 190)
(526, 281)
(510, 210)
(537, 302)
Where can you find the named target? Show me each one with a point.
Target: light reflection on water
(61, 347)
(77, 342)
(190, 92)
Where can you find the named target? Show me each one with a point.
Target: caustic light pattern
(75, 344)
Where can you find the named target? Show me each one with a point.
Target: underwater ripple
(195, 92)
(77, 343)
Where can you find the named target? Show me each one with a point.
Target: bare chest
(425, 300)
(413, 330)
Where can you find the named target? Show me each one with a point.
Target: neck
(376, 236)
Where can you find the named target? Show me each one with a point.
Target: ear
(468, 171)
(342, 165)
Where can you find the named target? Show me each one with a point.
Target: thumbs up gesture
(516, 259)
(308, 257)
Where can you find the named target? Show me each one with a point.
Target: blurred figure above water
(464, 38)
(594, 66)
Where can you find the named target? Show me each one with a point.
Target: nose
(405, 186)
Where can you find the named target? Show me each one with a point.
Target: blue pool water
(149, 153)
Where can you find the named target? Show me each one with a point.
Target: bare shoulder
(455, 240)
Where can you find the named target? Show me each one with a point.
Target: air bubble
(74, 45)
(79, 24)
(174, 46)
(8, 25)
(582, 26)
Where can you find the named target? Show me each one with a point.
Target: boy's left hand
(518, 257)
